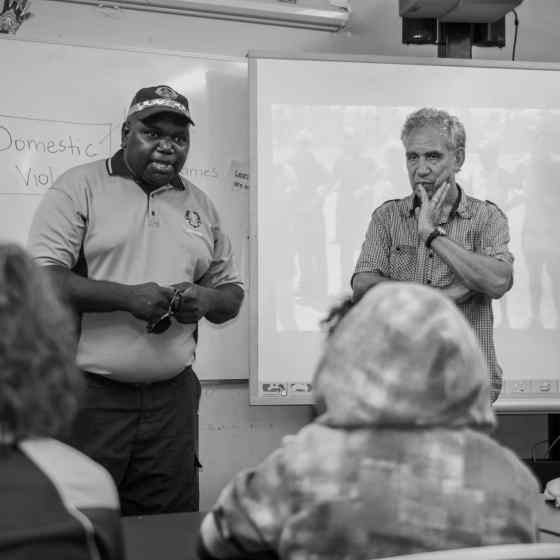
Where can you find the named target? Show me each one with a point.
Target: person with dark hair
(400, 459)
(56, 502)
(140, 253)
(439, 235)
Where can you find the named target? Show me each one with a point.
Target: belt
(107, 379)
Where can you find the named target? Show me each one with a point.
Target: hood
(403, 356)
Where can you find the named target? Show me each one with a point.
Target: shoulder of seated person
(80, 480)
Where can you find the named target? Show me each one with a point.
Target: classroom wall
(233, 434)
(375, 29)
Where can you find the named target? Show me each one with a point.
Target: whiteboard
(63, 105)
(309, 220)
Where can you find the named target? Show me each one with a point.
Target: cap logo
(167, 92)
(159, 99)
(169, 103)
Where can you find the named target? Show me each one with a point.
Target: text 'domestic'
(34, 152)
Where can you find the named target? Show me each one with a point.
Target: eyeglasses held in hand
(164, 322)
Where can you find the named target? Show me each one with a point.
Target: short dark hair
(336, 313)
(339, 310)
(39, 381)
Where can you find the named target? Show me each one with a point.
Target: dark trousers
(146, 436)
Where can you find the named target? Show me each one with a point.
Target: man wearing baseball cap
(139, 252)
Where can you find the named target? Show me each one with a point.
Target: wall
(375, 29)
(233, 434)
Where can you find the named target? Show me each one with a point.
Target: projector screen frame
(523, 402)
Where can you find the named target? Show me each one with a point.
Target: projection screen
(326, 151)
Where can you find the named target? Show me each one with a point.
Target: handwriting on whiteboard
(33, 152)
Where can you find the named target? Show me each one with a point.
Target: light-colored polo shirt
(128, 236)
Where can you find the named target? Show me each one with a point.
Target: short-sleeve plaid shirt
(393, 248)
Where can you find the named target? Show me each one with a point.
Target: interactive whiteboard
(326, 151)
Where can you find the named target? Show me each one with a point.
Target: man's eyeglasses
(164, 322)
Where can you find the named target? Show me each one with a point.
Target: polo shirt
(393, 248)
(98, 214)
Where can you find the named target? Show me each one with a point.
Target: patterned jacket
(399, 462)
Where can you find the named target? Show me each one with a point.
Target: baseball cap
(159, 99)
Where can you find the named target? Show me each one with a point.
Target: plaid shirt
(393, 248)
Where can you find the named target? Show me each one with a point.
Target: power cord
(534, 449)
(548, 449)
(554, 442)
(516, 23)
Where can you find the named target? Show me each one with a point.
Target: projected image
(333, 165)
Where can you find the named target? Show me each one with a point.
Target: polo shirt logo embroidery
(193, 217)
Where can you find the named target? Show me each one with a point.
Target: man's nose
(165, 144)
(423, 168)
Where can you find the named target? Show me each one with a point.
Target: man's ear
(125, 131)
(459, 159)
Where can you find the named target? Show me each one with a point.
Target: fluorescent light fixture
(285, 14)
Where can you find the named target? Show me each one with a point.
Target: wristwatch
(436, 232)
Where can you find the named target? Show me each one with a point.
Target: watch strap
(436, 232)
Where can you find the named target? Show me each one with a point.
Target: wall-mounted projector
(463, 11)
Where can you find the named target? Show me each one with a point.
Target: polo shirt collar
(461, 207)
(117, 167)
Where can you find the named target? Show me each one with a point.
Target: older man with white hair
(439, 235)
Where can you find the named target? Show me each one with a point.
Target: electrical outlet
(520, 386)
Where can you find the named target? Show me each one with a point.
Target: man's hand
(430, 213)
(457, 292)
(149, 301)
(195, 302)
(363, 281)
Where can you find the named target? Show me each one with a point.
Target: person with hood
(399, 460)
